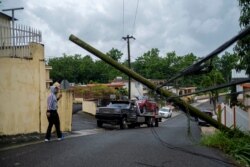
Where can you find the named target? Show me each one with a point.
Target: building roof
(246, 85)
(6, 16)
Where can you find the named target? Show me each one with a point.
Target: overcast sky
(183, 26)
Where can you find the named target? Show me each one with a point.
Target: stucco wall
(20, 92)
(89, 107)
(23, 95)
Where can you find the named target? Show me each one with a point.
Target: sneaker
(60, 138)
(46, 140)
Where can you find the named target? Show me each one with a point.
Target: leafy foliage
(97, 91)
(151, 65)
(243, 46)
(233, 143)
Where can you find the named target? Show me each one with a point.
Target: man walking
(52, 114)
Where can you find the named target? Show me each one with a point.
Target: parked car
(202, 122)
(165, 112)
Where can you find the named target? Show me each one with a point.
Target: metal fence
(14, 41)
(235, 117)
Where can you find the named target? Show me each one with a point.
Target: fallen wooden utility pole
(180, 103)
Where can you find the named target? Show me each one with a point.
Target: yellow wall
(23, 95)
(20, 93)
(89, 107)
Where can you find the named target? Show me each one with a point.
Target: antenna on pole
(127, 38)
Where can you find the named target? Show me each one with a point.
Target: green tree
(212, 79)
(226, 63)
(170, 61)
(115, 54)
(243, 46)
(106, 73)
(75, 68)
(150, 65)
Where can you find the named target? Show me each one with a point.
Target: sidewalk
(12, 141)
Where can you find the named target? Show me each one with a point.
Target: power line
(176, 148)
(216, 87)
(123, 17)
(135, 16)
(192, 68)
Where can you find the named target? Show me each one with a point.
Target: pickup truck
(146, 105)
(126, 114)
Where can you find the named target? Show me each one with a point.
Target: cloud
(183, 26)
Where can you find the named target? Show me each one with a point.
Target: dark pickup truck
(126, 114)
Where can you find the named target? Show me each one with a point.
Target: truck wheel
(131, 126)
(156, 123)
(150, 122)
(99, 123)
(123, 124)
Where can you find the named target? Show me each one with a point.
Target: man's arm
(59, 97)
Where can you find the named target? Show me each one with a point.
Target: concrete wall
(21, 85)
(89, 107)
(23, 95)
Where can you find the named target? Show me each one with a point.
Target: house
(137, 89)
(186, 90)
(238, 116)
(236, 76)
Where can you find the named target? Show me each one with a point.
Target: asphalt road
(168, 145)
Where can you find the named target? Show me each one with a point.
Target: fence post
(225, 116)
(234, 117)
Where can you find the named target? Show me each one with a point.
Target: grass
(234, 143)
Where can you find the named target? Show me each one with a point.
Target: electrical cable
(123, 17)
(137, 5)
(169, 146)
(221, 48)
(215, 87)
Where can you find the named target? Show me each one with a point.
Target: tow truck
(128, 114)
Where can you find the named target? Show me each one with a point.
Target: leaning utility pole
(182, 104)
(127, 38)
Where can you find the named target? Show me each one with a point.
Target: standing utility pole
(127, 38)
